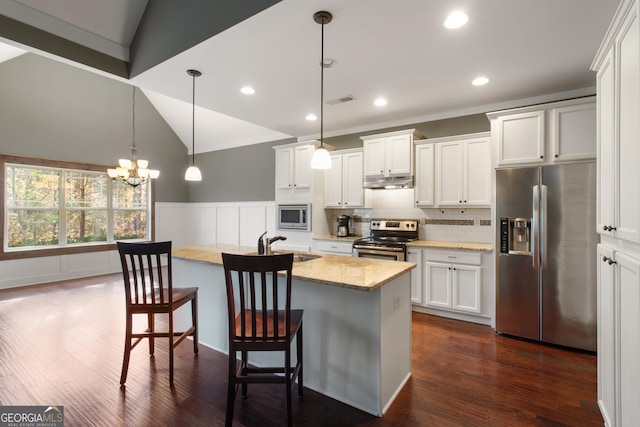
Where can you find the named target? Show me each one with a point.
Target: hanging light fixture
(321, 158)
(193, 173)
(134, 171)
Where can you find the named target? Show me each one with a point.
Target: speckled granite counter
(439, 244)
(357, 273)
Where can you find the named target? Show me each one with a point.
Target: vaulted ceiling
(531, 51)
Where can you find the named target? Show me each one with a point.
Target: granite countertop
(362, 274)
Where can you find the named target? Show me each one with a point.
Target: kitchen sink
(297, 256)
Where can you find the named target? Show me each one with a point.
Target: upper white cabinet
(294, 176)
(618, 88)
(389, 154)
(554, 132)
(463, 171)
(520, 137)
(343, 182)
(424, 189)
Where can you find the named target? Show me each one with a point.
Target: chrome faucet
(264, 243)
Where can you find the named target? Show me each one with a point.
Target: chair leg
(245, 364)
(151, 329)
(299, 359)
(231, 388)
(194, 319)
(127, 349)
(287, 374)
(171, 348)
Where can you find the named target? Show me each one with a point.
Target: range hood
(389, 182)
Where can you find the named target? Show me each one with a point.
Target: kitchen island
(357, 320)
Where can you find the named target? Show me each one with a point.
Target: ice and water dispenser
(515, 236)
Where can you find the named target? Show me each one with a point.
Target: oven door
(391, 254)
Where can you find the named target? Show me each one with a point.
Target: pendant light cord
(193, 122)
(133, 115)
(322, 86)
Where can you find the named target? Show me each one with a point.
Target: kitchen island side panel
(357, 344)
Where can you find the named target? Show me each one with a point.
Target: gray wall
(434, 129)
(52, 110)
(237, 174)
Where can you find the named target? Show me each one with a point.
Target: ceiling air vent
(340, 100)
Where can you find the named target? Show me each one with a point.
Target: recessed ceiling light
(380, 102)
(456, 20)
(479, 81)
(311, 117)
(248, 90)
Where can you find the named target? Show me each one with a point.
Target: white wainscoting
(184, 224)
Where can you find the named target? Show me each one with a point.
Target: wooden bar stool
(261, 319)
(149, 290)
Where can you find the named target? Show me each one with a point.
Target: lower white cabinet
(618, 337)
(453, 280)
(334, 247)
(414, 255)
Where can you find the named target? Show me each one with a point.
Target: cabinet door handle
(608, 260)
(609, 228)
(542, 157)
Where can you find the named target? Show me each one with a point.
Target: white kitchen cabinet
(343, 182)
(520, 138)
(617, 65)
(389, 154)
(414, 255)
(618, 337)
(618, 86)
(606, 272)
(453, 280)
(526, 136)
(293, 166)
(334, 247)
(294, 177)
(571, 127)
(463, 171)
(424, 188)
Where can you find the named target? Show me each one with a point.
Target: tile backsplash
(451, 224)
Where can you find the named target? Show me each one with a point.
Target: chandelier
(134, 171)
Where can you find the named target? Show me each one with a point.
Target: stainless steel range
(388, 239)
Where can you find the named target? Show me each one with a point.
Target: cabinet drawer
(473, 258)
(335, 247)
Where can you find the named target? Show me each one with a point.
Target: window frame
(75, 248)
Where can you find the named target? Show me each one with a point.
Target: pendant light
(193, 173)
(134, 171)
(321, 158)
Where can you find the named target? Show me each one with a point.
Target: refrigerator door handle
(535, 218)
(543, 226)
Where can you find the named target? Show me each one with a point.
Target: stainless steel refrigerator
(546, 258)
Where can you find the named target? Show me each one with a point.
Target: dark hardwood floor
(61, 344)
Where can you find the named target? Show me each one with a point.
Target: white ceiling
(531, 50)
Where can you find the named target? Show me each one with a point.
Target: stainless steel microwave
(294, 217)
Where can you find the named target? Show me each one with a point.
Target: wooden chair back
(253, 296)
(148, 283)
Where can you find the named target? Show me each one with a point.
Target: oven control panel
(394, 225)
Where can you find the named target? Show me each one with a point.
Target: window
(48, 206)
